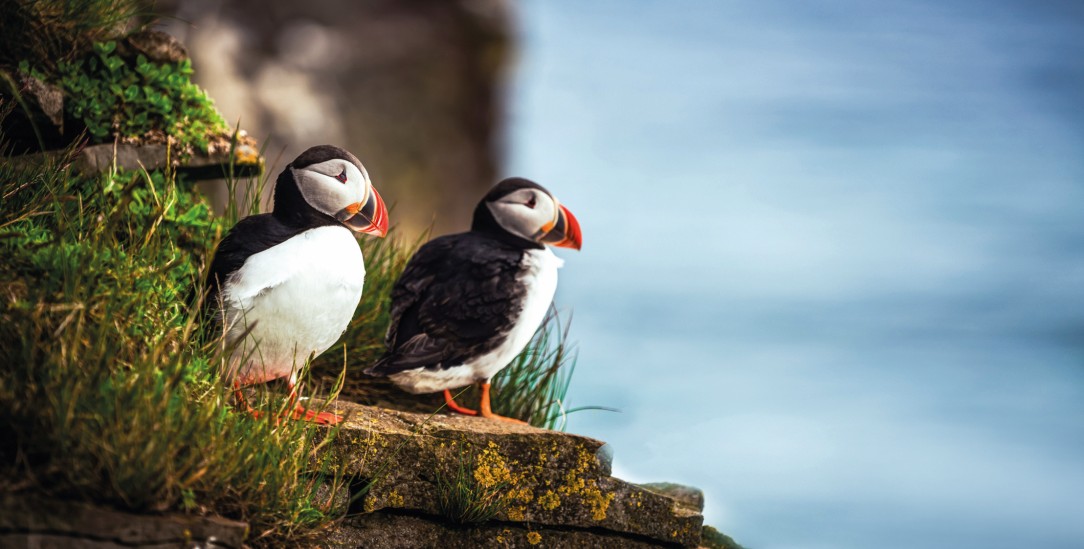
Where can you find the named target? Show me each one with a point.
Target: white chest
(292, 300)
(540, 280)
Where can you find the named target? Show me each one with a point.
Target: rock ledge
(556, 486)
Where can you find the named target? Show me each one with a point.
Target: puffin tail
(382, 367)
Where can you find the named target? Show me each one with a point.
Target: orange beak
(565, 232)
(370, 217)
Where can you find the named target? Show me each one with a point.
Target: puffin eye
(341, 177)
(532, 202)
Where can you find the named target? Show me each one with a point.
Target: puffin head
(528, 212)
(329, 181)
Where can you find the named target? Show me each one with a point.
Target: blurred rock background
(414, 88)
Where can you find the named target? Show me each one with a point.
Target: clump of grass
(462, 499)
(385, 259)
(107, 393)
(533, 387)
(45, 32)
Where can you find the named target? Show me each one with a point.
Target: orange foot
(450, 401)
(320, 418)
(488, 413)
(242, 402)
(300, 413)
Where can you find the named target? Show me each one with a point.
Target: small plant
(464, 499)
(135, 99)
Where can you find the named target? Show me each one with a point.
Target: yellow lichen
(598, 501)
(549, 501)
(523, 494)
(518, 513)
(534, 538)
(587, 490)
(394, 499)
(492, 470)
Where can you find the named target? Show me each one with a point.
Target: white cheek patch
(520, 220)
(547, 214)
(322, 190)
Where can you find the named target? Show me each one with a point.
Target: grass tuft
(462, 499)
(45, 32)
(533, 387)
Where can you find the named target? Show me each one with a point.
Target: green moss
(135, 99)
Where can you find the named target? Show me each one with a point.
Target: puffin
(468, 303)
(284, 285)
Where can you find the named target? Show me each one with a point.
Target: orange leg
(242, 402)
(488, 413)
(455, 407)
(299, 412)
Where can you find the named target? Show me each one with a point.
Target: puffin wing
(249, 237)
(452, 302)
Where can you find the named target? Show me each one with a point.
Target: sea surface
(833, 262)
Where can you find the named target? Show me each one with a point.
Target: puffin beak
(369, 217)
(565, 232)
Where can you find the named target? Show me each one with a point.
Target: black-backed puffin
(468, 303)
(285, 284)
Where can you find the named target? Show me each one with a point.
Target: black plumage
(455, 301)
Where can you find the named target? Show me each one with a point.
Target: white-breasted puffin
(468, 303)
(285, 284)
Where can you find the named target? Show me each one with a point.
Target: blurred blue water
(833, 264)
